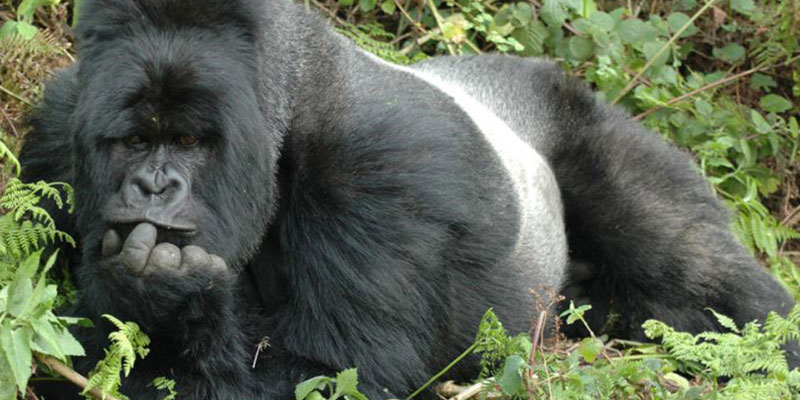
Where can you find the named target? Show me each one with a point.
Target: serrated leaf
(346, 383)
(775, 103)
(511, 380)
(731, 53)
(46, 339)
(590, 348)
(8, 388)
(523, 13)
(17, 350)
(581, 48)
(303, 389)
(552, 13)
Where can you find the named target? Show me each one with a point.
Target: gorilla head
(242, 171)
(169, 127)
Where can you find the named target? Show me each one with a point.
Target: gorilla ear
(106, 16)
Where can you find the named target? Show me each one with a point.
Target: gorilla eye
(187, 140)
(134, 140)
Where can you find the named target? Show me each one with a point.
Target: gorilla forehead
(187, 87)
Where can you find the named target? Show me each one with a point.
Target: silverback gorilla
(243, 172)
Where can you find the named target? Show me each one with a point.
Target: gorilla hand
(140, 254)
(161, 280)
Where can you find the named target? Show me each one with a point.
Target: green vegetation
(718, 78)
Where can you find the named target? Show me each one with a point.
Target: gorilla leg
(651, 227)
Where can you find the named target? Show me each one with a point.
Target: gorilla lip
(184, 228)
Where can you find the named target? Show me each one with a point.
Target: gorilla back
(243, 172)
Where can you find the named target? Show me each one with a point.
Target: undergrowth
(717, 78)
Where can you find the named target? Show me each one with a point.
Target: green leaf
(590, 348)
(677, 20)
(652, 48)
(743, 6)
(775, 103)
(346, 383)
(303, 389)
(346, 3)
(731, 53)
(17, 350)
(581, 48)
(8, 387)
(367, 5)
(603, 21)
(677, 380)
(635, 31)
(703, 107)
(523, 14)
(21, 288)
(552, 13)
(511, 380)
(761, 82)
(762, 126)
(9, 28)
(388, 6)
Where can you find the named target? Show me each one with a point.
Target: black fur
(361, 217)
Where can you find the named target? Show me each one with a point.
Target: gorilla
(243, 173)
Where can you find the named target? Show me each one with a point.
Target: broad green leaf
(652, 48)
(677, 380)
(367, 5)
(636, 31)
(8, 387)
(602, 21)
(303, 389)
(743, 6)
(731, 53)
(590, 348)
(775, 103)
(581, 48)
(17, 350)
(346, 3)
(703, 107)
(552, 13)
(511, 380)
(21, 288)
(523, 14)
(46, 339)
(9, 28)
(388, 7)
(677, 20)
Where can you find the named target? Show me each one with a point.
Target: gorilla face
(161, 138)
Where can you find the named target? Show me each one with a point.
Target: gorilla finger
(136, 249)
(217, 264)
(164, 256)
(193, 257)
(112, 244)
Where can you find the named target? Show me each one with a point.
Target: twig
(16, 96)
(329, 12)
(711, 86)
(664, 48)
(10, 122)
(537, 332)
(70, 374)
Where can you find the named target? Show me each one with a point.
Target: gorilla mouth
(185, 228)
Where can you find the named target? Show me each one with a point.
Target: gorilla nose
(159, 183)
